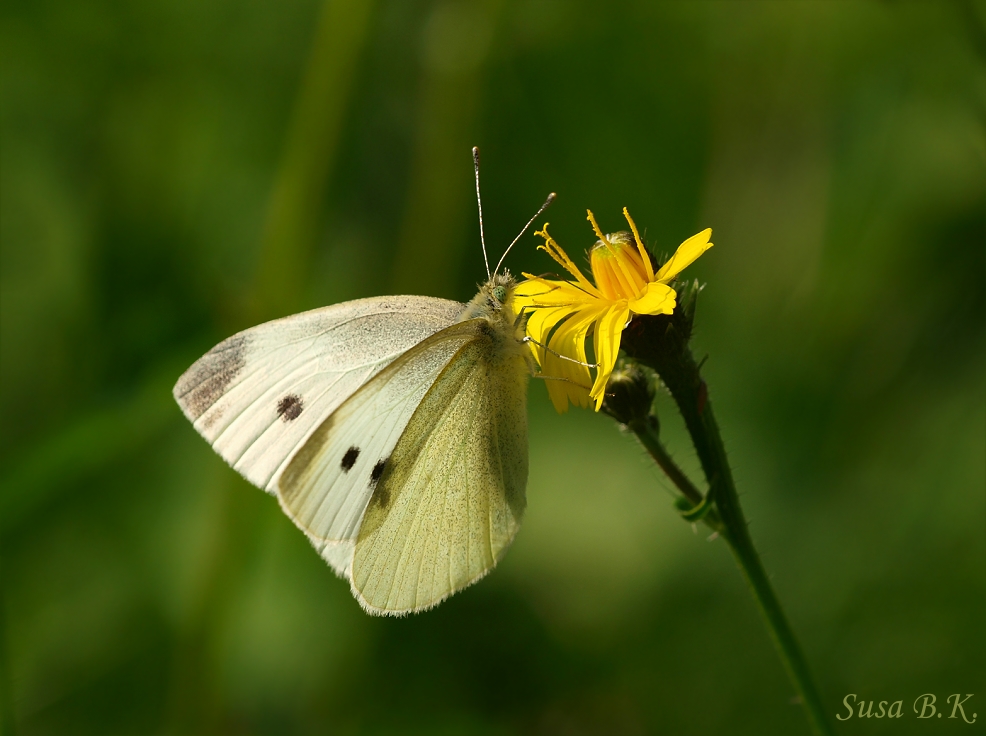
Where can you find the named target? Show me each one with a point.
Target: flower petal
(630, 280)
(539, 292)
(657, 299)
(540, 323)
(686, 254)
(606, 344)
(568, 381)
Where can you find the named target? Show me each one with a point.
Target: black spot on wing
(289, 408)
(349, 459)
(206, 381)
(381, 496)
(377, 471)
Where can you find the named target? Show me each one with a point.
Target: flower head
(563, 313)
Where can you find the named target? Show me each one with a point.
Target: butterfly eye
(500, 293)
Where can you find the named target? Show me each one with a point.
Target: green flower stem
(649, 439)
(658, 344)
(648, 436)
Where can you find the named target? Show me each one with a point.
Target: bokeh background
(175, 171)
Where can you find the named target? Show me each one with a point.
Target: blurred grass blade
(290, 234)
(295, 207)
(85, 446)
(456, 45)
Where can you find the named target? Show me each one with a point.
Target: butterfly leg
(559, 355)
(560, 378)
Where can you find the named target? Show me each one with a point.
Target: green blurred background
(175, 171)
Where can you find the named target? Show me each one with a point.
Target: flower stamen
(644, 255)
(595, 226)
(561, 257)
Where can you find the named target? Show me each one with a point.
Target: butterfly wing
(452, 494)
(257, 396)
(327, 484)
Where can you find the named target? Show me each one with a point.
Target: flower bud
(630, 396)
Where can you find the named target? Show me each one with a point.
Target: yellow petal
(561, 331)
(631, 280)
(605, 279)
(618, 268)
(540, 323)
(657, 299)
(606, 343)
(539, 292)
(686, 254)
(567, 380)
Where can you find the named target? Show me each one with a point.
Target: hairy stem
(649, 439)
(658, 344)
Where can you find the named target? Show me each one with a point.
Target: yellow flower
(562, 313)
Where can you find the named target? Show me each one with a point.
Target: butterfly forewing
(257, 396)
(327, 484)
(451, 497)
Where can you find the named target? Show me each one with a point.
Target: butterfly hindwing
(452, 494)
(327, 484)
(257, 396)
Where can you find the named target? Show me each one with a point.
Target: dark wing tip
(204, 383)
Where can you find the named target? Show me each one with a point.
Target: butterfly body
(392, 430)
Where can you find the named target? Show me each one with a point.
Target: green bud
(630, 396)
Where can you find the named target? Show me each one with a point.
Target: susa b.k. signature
(923, 706)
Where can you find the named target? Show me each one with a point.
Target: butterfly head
(498, 290)
(493, 299)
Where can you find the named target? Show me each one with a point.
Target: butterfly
(392, 430)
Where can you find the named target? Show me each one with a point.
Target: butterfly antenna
(548, 201)
(479, 201)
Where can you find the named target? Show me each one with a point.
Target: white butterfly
(392, 430)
